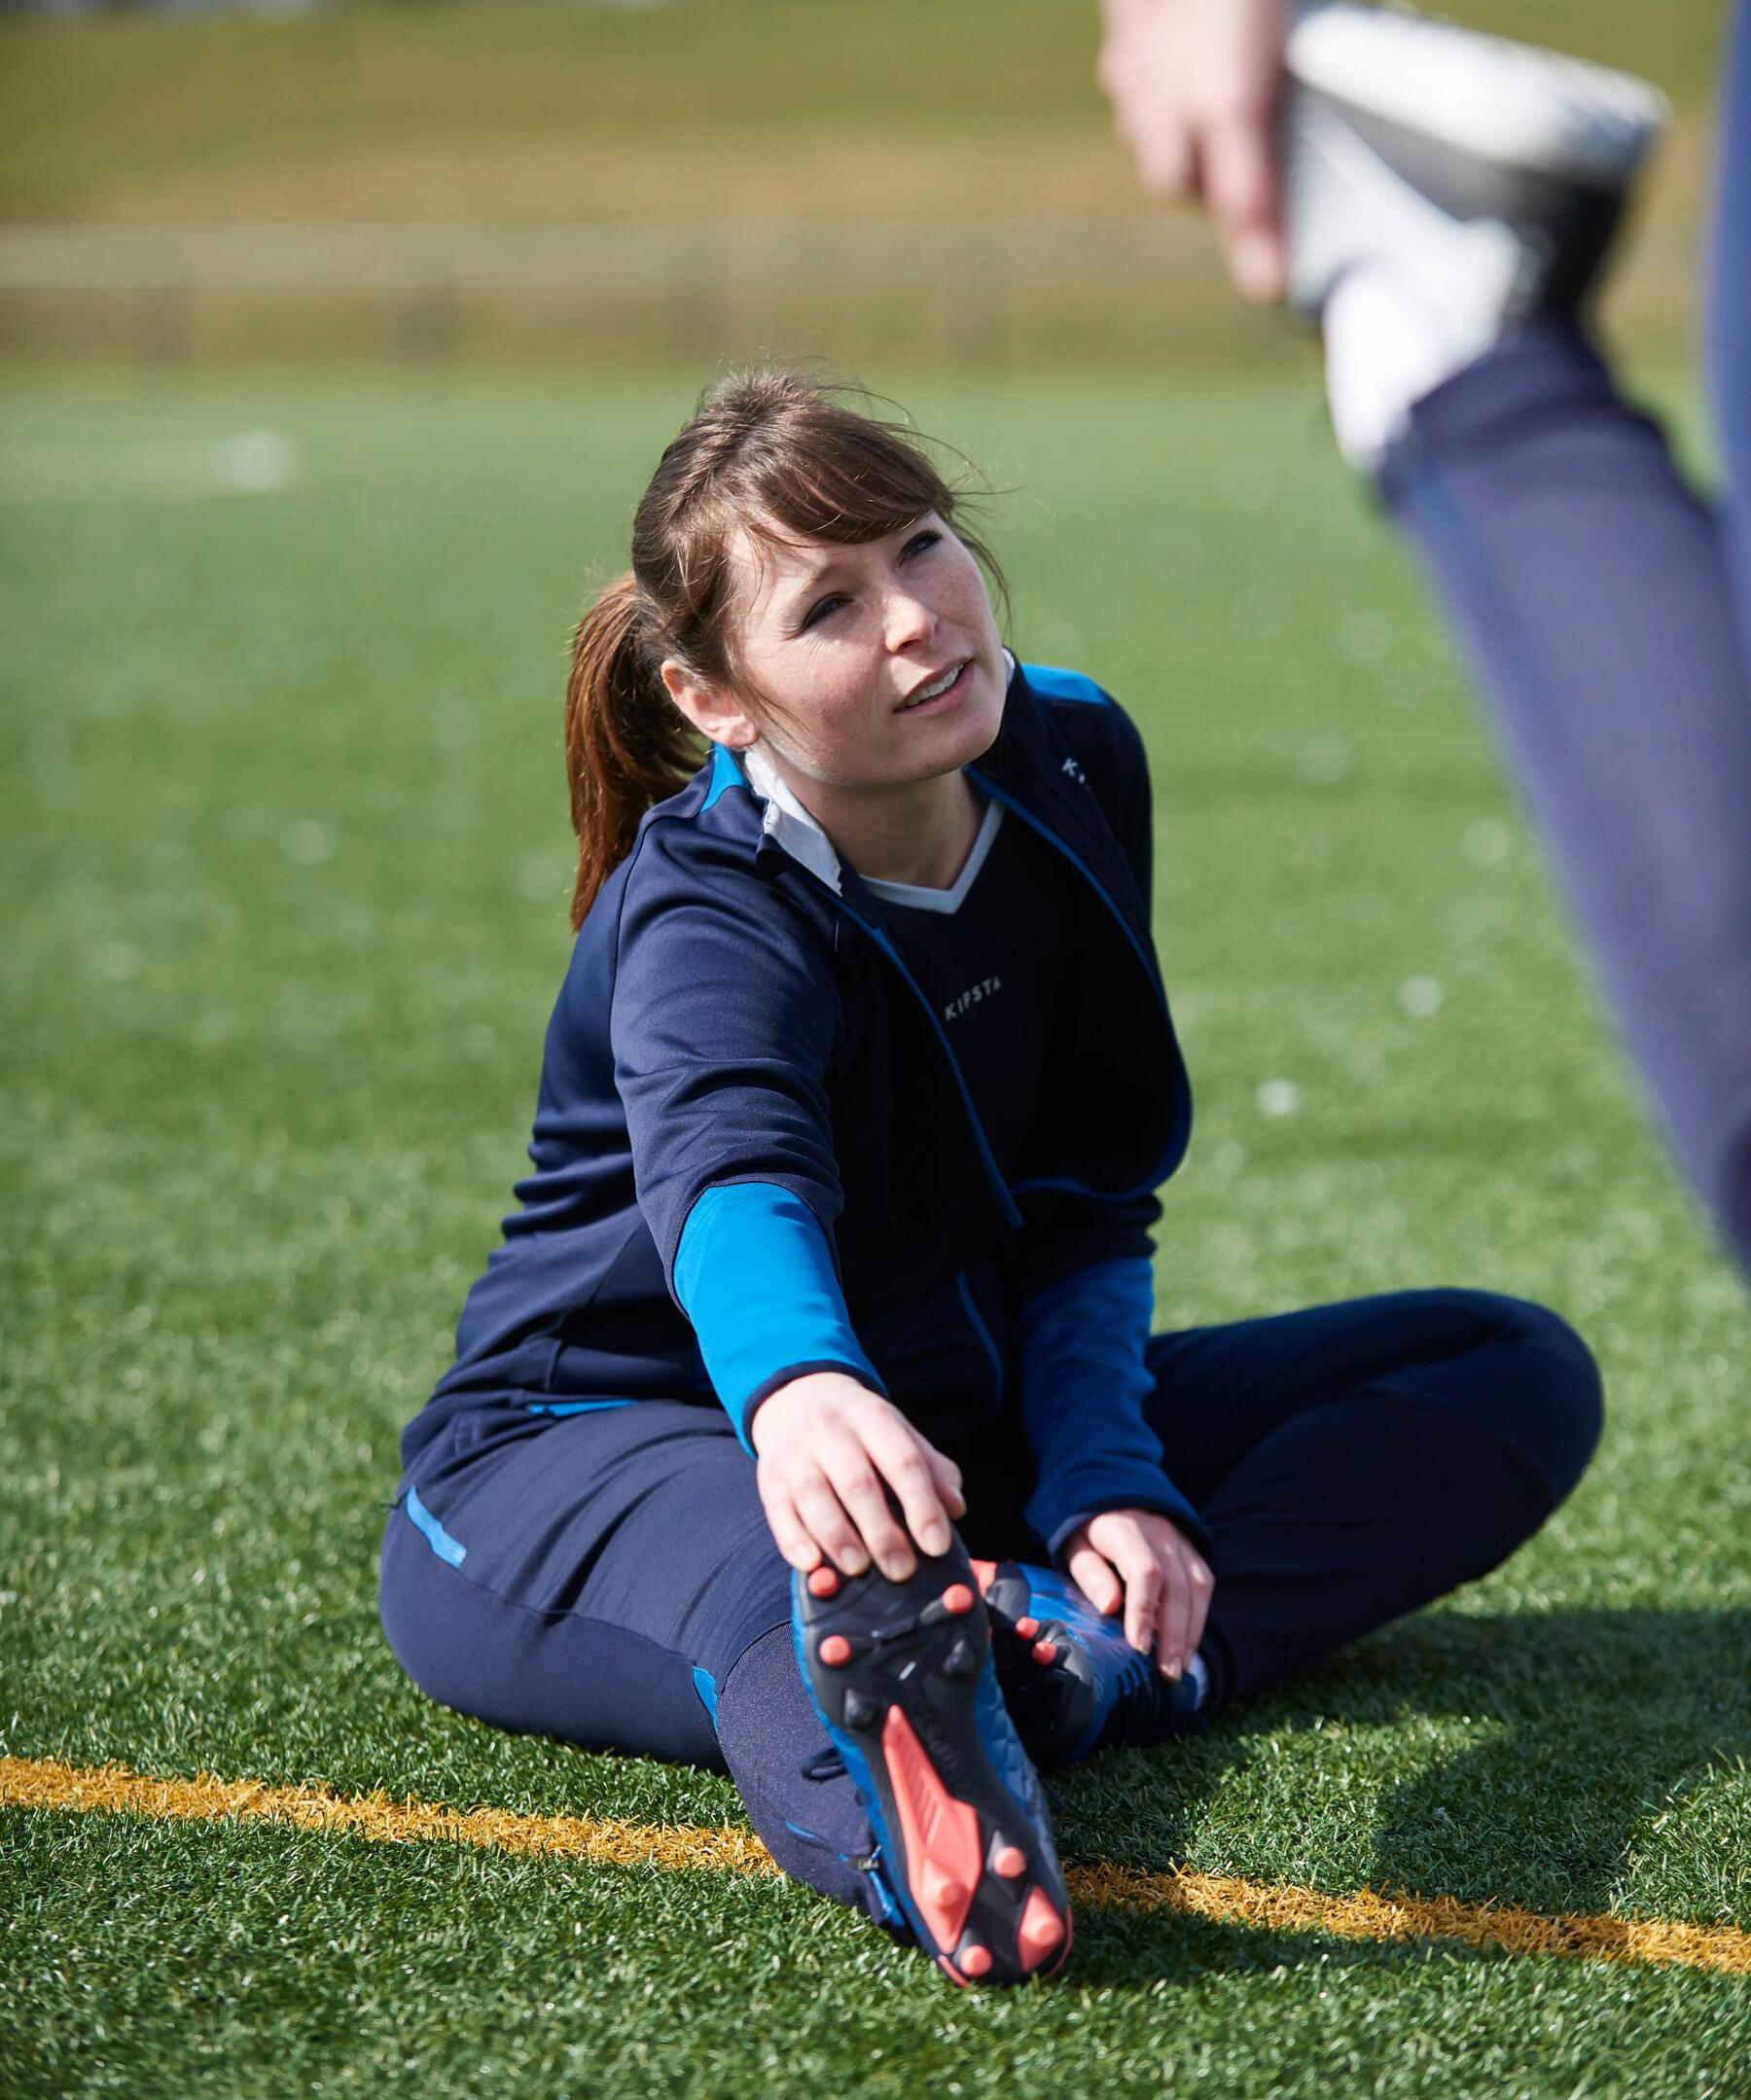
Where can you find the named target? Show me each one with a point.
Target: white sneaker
(1455, 183)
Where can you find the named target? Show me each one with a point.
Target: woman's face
(877, 664)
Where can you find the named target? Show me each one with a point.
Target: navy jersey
(757, 1151)
(995, 952)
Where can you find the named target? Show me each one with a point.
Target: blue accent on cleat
(885, 1907)
(901, 1675)
(1098, 1692)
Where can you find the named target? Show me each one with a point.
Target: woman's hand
(1147, 1563)
(826, 1443)
(1194, 86)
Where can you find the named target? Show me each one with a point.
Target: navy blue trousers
(609, 1578)
(1606, 612)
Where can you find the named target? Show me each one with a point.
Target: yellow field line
(1367, 1914)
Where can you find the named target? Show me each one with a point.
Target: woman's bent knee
(1545, 1394)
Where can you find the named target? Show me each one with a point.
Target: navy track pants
(608, 1578)
(1605, 610)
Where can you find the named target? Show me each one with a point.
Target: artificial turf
(282, 826)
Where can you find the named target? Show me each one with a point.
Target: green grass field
(283, 830)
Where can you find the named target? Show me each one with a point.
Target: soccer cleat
(1072, 1682)
(901, 1673)
(1488, 177)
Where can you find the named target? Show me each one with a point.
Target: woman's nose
(909, 620)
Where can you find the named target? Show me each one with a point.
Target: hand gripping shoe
(1072, 1682)
(901, 1673)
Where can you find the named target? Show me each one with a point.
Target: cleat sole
(915, 1710)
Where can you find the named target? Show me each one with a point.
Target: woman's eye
(920, 541)
(820, 609)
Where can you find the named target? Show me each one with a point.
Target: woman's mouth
(938, 694)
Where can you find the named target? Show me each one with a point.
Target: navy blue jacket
(755, 1154)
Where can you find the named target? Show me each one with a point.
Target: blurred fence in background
(617, 182)
(982, 294)
(979, 296)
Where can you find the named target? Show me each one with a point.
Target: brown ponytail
(626, 744)
(775, 455)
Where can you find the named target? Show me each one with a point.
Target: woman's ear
(712, 708)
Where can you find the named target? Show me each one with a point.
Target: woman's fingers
(858, 1486)
(1093, 1576)
(1184, 1606)
(1171, 1619)
(900, 1457)
(789, 1533)
(1167, 163)
(947, 1476)
(1240, 189)
(1145, 1562)
(1202, 1585)
(825, 1518)
(1142, 1601)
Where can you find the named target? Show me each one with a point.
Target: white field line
(246, 463)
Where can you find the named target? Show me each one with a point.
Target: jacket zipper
(1006, 1198)
(987, 1158)
(1088, 875)
(981, 1331)
(1149, 970)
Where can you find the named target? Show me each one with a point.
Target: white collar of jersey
(789, 823)
(922, 897)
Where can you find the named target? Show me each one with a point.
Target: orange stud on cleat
(941, 1890)
(824, 1582)
(1011, 1862)
(1045, 1652)
(1027, 1628)
(958, 1598)
(1040, 1930)
(976, 1961)
(984, 1574)
(835, 1650)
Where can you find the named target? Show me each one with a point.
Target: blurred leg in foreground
(1592, 593)
(1440, 201)
(1448, 201)
(1729, 313)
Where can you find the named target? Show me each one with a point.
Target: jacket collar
(787, 823)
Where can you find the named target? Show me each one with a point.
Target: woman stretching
(855, 1098)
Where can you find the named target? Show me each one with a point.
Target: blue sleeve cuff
(1084, 1381)
(754, 1275)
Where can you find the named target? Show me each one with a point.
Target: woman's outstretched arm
(723, 1032)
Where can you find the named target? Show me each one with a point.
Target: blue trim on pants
(438, 1539)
